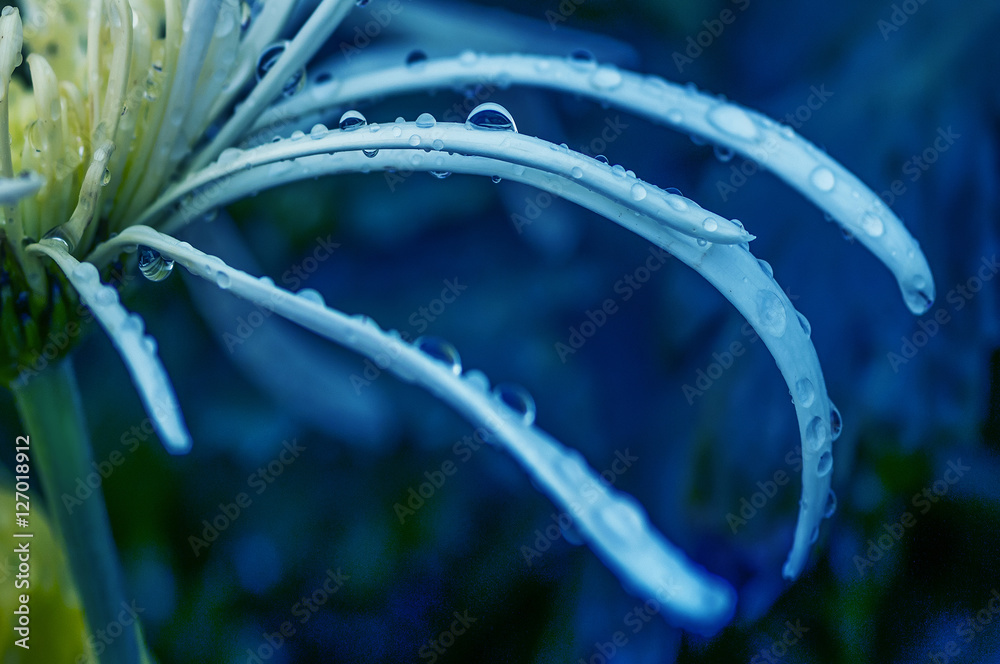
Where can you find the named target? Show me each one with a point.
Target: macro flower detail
(142, 117)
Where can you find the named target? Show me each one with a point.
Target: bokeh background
(894, 84)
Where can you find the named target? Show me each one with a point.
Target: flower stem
(49, 404)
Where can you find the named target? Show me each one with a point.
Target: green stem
(50, 409)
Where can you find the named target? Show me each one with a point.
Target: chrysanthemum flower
(135, 117)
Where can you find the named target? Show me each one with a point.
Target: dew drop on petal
(496, 179)
(601, 158)
(825, 464)
(311, 295)
(352, 120)
(836, 423)
(638, 192)
(710, 225)
(771, 313)
(576, 172)
(831, 505)
(804, 392)
(674, 190)
(442, 351)
(491, 116)
(425, 121)
(223, 280)
(804, 322)
(105, 178)
(153, 265)
(732, 120)
(415, 58)
(440, 175)
(581, 58)
(269, 57)
(318, 131)
(822, 178)
(816, 434)
(872, 225)
(606, 78)
(517, 399)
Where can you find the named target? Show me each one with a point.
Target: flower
(148, 144)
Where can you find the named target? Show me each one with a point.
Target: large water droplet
(771, 313)
(825, 464)
(710, 225)
(415, 58)
(442, 351)
(836, 424)
(581, 58)
(638, 192)
(732, 120)
(822, 178)
(804, 392)
(872, 225)
(831, 505)
(105, 178)
(517, 399)
(425, 121)
(804, 323)
(153, 265)
(352, 120)
(816, 434)
(312, 295)
(606, 78)
(269, 57)
(318, 131)
(491, 116)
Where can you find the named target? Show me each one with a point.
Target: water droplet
(425, 121)
(269, 57)
(814, 535)
(491, 116)
(816, 434)
(601, 158)
(442, 351)
(722, 153)
(577, 172)
(352, 120)
(606, 78)
(440, 175)
(710, 225)
(468, 58)
(517, 399)
(822, 178)
(246, 13)
(581, 58)
(153, 265)
(312, 295)
(415, 58)
(414, 140)
(297, 135)
(105, 178)
(917, 299)
(675, 116)
(872, 225)
(477, 378)
(318, 131)
(638, 192)
(228, 156)
(677, 202)
(825, 464)
(836, 423)
(673, 190)
(438, 144)
(831, 505)
(369, 153)
(804, 392)
(618, 170)
(771, 313)
(496, 179)
(804, 322)
(732, 120)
